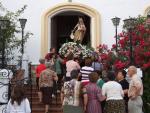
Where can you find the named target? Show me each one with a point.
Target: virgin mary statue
(78, 32)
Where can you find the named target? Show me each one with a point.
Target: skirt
(46, 95)
(135, 106)
(114, 106)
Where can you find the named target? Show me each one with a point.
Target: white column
(93, 38)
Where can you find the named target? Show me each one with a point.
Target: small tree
(9, 35)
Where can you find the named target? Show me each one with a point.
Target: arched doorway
(51, 17)
(147, 11)
(63, 23)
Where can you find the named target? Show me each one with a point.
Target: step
(42, 105)
(34, 93)
(51, 109)
(44, 112)
(36, 98)
(39, 107)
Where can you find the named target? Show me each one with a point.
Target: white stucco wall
(107, 9)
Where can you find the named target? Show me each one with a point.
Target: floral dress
(71, 102)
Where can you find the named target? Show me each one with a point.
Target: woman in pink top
(71, 65)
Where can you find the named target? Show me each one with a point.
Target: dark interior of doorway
(63, 23)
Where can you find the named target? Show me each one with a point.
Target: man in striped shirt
(85, 71)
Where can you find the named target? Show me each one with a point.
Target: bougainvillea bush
(141, 47)
(140, 42)
(141, 54)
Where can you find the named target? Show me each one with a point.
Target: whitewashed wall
(107, 9)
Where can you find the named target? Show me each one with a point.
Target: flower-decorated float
(78, 50)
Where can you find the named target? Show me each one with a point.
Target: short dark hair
(123, 73)
(88, 62)
(93, 77)
(99, 72)
(52, 48)
(111, 75)
(74, 74)
(70, 56)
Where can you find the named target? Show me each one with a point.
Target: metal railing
(9, 84)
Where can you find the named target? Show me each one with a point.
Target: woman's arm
(78, 66)
(60, 59)
(85, 98)
(122, 92)
(55, 77)
(125, 91)
(100, 96)
(62, 95)
(40, 80)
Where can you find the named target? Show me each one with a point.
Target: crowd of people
(85, 87)
(89, 87)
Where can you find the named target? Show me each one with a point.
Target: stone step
(34, 93)
(34, 105)
(37, 99)
(51, 109)
(49, 112)
(39, 107)
(53, 103)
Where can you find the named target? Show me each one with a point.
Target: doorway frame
(63, 7)
(146, 10)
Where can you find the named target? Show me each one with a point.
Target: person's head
(17, 94)
(93, 77)
(77, 60)
(48, 65)
(121, 74)
(52, 50)
(111, 76)
(70, 56)
(80, 20)
(88, 62)
(99, 73)
(132, 70)
(42, 61)
(74, 74)
(95, 59)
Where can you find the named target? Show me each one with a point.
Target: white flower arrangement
(87, 52)
(77, 49)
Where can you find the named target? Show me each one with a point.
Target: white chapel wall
(107, 9)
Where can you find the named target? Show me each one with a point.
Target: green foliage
(146, 96)
(12, 41)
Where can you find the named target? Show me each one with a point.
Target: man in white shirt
(135, 91)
